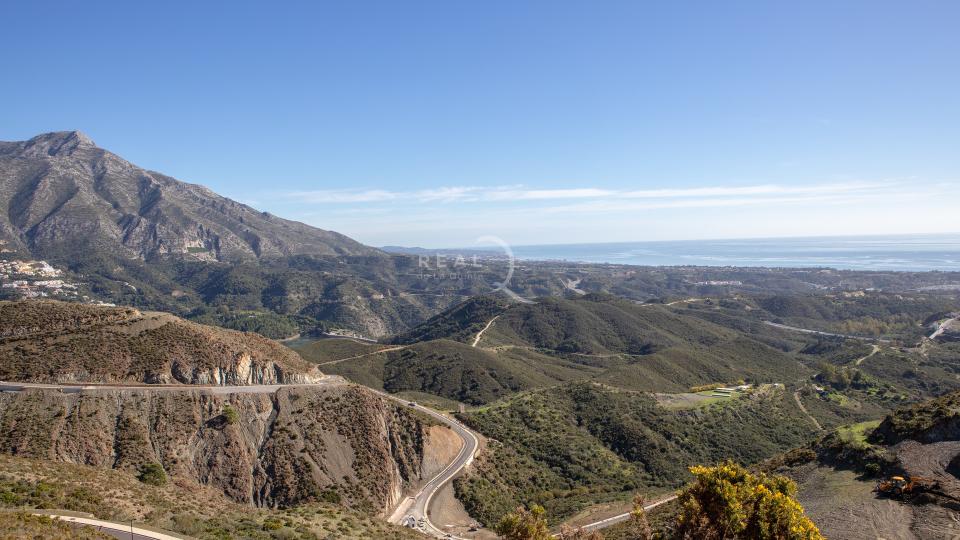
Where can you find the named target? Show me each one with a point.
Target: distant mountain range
(60, 192)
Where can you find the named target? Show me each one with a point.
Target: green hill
(459, 323)
(458, 371)
(572, 446)
(596, 337)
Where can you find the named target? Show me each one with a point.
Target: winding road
(415, 510)
(943, 327)
(876, 349)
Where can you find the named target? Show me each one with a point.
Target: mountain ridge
(60, 191)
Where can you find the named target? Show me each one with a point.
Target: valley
(584, 399)
(217, 372)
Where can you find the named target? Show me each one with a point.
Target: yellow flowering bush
(727, 502)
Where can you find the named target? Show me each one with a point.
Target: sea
(920, 252)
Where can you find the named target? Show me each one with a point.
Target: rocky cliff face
(61, 193)
(337, 443)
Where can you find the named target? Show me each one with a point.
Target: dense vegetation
(567, 447)
(457, 371)
(929, 421)
(459, 323)
(727, 502)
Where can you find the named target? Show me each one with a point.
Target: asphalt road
(820, 333)
(210, 389)
(417, 508)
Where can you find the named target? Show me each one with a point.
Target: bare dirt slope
(845, 506)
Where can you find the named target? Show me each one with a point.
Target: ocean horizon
(915, 252)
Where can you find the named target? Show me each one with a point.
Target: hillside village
(33, 279)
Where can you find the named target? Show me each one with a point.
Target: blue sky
(433, 123)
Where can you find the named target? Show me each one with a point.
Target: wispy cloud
(723, 195)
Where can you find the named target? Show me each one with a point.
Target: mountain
(61, 194)
(43, 341)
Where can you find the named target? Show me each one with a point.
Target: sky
(434, 123)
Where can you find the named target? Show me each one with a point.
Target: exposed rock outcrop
(330, 442)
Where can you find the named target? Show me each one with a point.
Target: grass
(856, 434)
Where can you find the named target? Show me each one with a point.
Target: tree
(523, 524)
(726, 501)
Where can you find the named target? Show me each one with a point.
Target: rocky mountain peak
(57, 143)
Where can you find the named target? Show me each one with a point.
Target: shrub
(153, 474)
(230, 414)
(523, 524)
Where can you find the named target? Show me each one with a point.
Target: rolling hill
(596, 337)
(45, 341)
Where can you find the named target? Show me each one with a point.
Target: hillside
(570, 447)
(63, 194)
(298, 445)
(452, 370)
(598, 337)
(178, 506)
(460, 322)
(43, 341)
